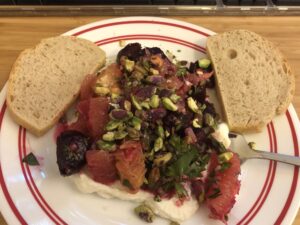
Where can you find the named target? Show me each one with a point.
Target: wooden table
(19, 33)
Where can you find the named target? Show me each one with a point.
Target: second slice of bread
(45, 80)
(253, 80)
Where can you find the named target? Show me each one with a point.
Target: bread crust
(17, 117)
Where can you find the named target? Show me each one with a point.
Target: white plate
(269, 194)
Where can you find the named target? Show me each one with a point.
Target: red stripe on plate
(140, 21)
(262, 194)
(175, 40)
(2, 181)
(21, 156)
(296, 172)
(34, 190)
(274, 165)
(153, 38)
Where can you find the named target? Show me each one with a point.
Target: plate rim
(294, 118)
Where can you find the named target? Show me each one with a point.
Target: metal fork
(240, 146)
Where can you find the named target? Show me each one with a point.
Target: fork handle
(293, 160)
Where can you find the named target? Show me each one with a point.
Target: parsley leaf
(31, 160)
(181, 165)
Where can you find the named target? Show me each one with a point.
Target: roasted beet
(132, 51)
(70, 152)
(155, 51)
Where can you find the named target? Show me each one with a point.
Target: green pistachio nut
(129, 65)
(169, 105)
(160, 131)
(113, 124)
(145, 213)
(154, 101)
(136, 122)
(192, 104)
(154, 71)
(135, 103)
(109, 136)
(106, 145)
(196, 123)
(175, 98)
(252, 145)
(158, 144)
(133, 133)
(119, 135)
(145, 105)
(162, 160)
(204, 63)
(127, 105)
(209, 120)
(101, 91)
(225, 157)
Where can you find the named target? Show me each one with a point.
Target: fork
(240, 146)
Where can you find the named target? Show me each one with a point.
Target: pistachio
(157, 198)
(169, 105)
(158, 144)
(112, 125)
(252, 145)
(135, 103)
(133, 133)
(225, 157)
(145, 213)
(145, 105)
(101, 91)
(140, 69)
(154, 175)
(119, 135)
(120, 114)
(106, 145)
(192, 104)
(174, 223)
(129, 65)
(114, 96)
(160, 131)
(204, 63)
(196, 123)
(167, 133)
(175, 98)
(109, 136)
(154, 71)
(209, 120)
(162, 160)
(127, 105)
(154, 101)
(136, 122)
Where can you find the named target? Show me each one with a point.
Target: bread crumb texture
(46, 79)
(254, 80)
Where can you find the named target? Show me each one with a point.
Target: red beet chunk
(228, 186)
(101, 166)
(130, 164)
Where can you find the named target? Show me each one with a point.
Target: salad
(146, 123)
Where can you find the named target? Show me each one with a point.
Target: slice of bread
(253, 80)
(46, 79)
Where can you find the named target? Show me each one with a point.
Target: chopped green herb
(31, 160)
(180, 190)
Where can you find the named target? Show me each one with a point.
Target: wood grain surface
(18, 33)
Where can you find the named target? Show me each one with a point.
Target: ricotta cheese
(170, 209)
